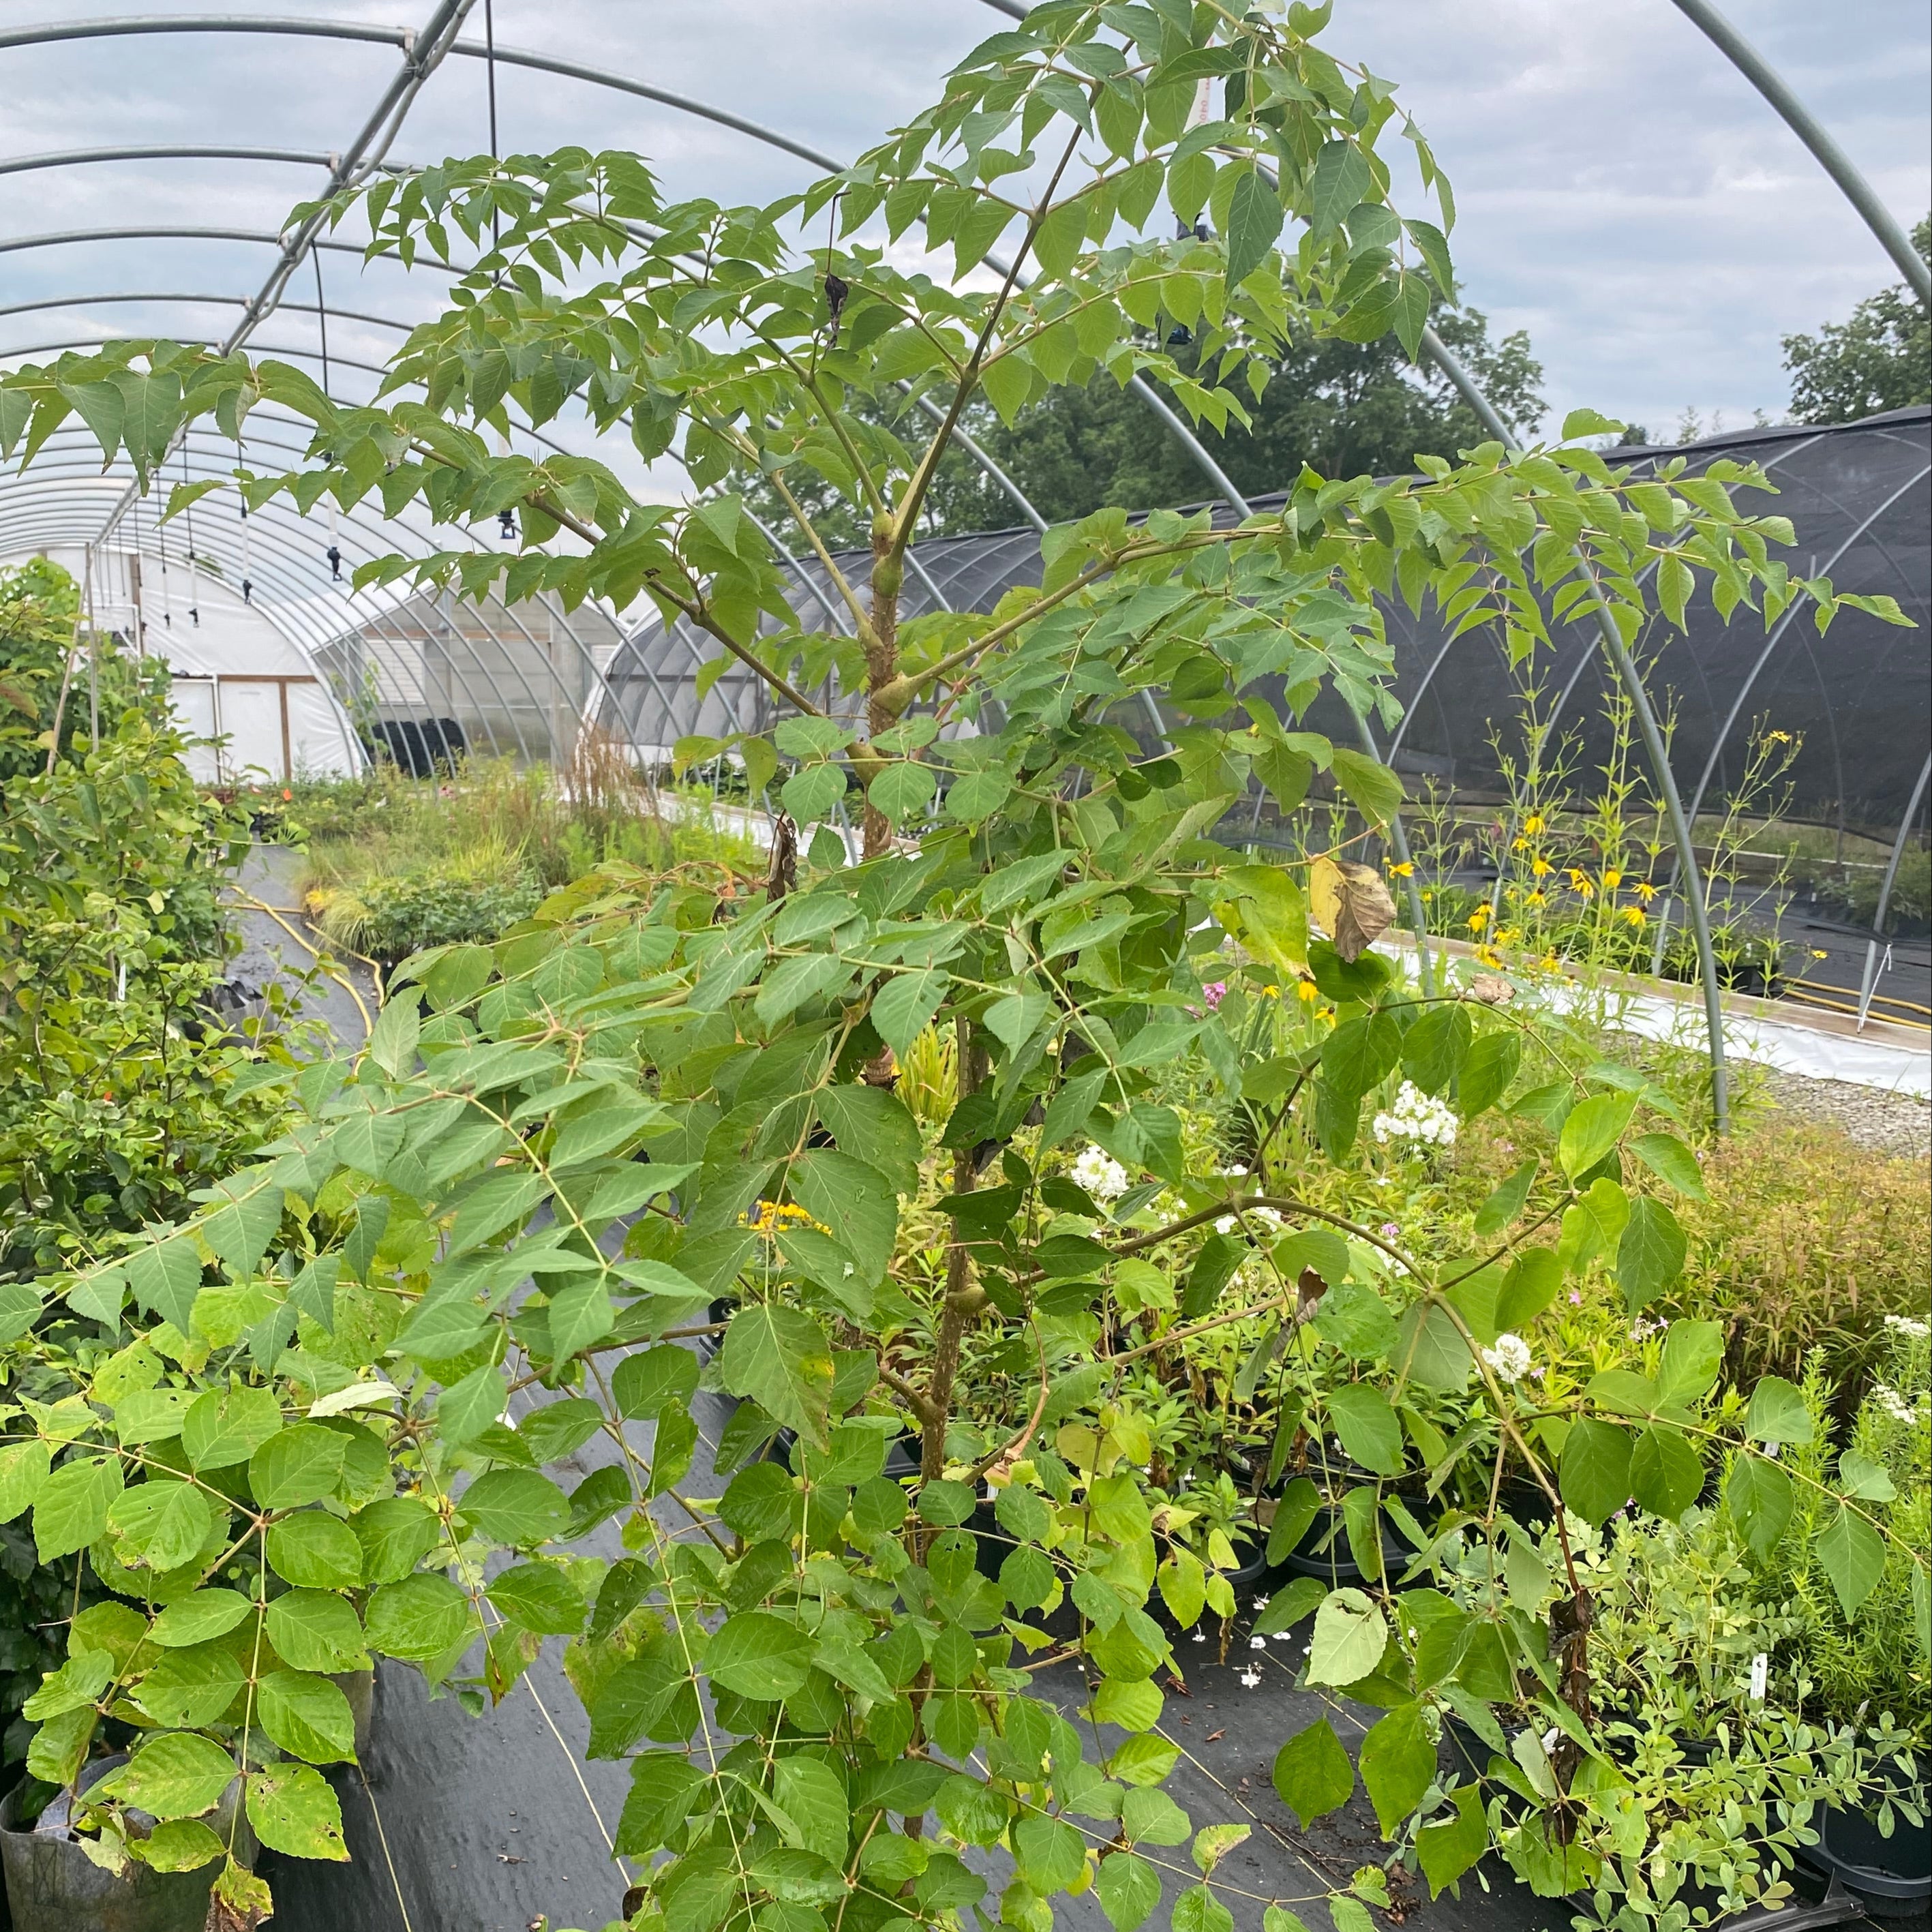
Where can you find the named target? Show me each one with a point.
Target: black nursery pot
(53, 1886)
(1324, 1553)
(1892, 1877)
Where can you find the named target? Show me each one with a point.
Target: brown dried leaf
(1492, 989)
(240, 1901)
(1350, 903)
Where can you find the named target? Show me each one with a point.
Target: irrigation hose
(1878, 999)
(326, 963)
(1817, 1002)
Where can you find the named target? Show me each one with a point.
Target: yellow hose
(328, 965)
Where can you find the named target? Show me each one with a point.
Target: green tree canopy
(1880, 359)
(1341, 408)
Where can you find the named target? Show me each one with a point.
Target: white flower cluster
(1904, 1325)
(1895, 1404)
(1100, 1174)
(1509, 1360)
(1418, 1117)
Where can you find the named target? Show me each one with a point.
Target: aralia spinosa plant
(293, 1448)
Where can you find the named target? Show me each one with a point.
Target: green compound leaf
(1665, 1473)
(308, 1716)
(293, 1811)
(516, 1508)
(1350, 1636)
(1759, 1495)
(179, 1774)
(1398, 1762)
(1595, 1127)
(161, 1524)
(1368, 1427)
(1778, 1413)
(1852, 1553)
(420, 1618)
(297, 1465)
(315, 1550)
(759, 1655)
(1594, 1474)
(1651, 1251)
(1312, 1774)
(313, 1630)
(71, 1510)
(1129, 1889)
(781, 1360)
(1447, 1847)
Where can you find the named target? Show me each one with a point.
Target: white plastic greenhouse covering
(250, 702)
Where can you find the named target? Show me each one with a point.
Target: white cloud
(1623, 193)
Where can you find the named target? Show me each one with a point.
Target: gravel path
(1898, 1123)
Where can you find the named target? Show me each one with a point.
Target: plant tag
(1760, 1676)
(1202, 111)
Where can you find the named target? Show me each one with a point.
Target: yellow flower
(1536, 898)
(1612, 881)
(777, 1217)
(1406, 870)
(1479, 918)
(1534, 822)
(1519, 844)
(1645, 890)
(1270, 992)
(1489, 956)
(1540, 868)
(1634, 914)
(1777, 737)
(1550, 963)
(1306, 989)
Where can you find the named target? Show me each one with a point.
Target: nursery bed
(483, 1822)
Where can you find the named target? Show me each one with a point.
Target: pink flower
(1215, 994)
(1391, 1229)
(1575, 1299)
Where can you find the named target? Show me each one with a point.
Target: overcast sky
(1624, 195)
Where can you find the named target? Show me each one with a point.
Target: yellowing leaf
(1350, 903)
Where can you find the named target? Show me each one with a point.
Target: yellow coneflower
(1534, 822)
(1306, 989)
(1635, 916)
(1645, 890)
(1479, 918)
(1612, 880)
(1540, 868)
(1406, 870)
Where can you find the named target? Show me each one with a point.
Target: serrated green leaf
(1313, 1773)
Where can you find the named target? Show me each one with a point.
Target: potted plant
(1872, 1668)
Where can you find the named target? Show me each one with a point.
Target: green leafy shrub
(1805, 1242)
(390, 919)
(121, 1090)
(279, 1427)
